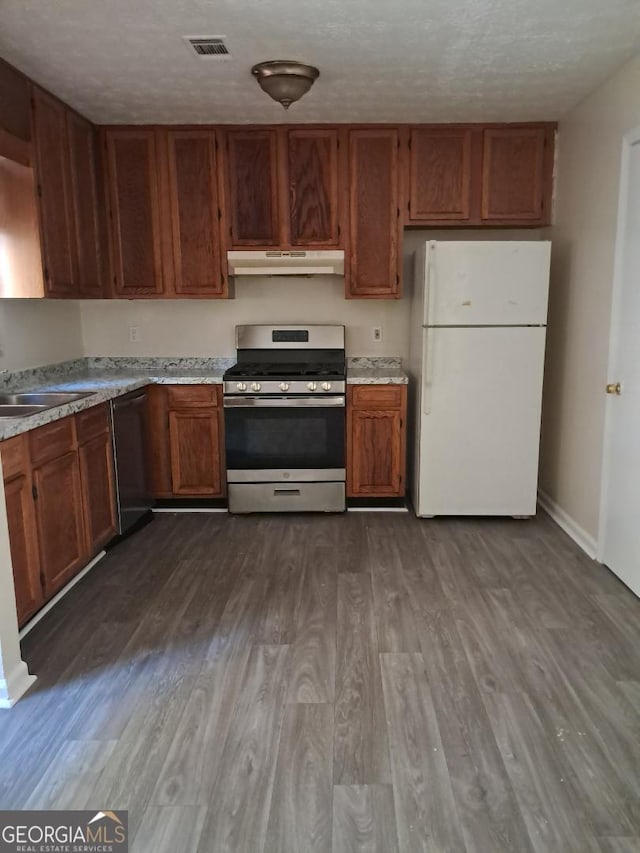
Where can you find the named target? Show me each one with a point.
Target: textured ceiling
(379, 60)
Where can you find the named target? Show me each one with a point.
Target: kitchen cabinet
(480, 175)
(374, 270)
(311, 187)
(376, 440)
(95, 454)
(186, 444)
(134, 212)
(251, 167)
(441, 162)
(199, 258)
(60, 496)
(195, 440)
(87, 205)
(15, 115)
(54, 190)
(284, 187)
(21, 523)
(58, 503)
(517, 171)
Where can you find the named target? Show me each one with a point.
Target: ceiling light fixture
(284, 80)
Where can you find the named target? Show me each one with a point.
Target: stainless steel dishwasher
(128, 417)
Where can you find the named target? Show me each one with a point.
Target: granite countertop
(375, 371)
(107, 378)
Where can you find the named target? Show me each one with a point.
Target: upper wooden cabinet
(440, 161)
(134, 204)
(374, 214)
(283, 187)
(87, 207)
(14, 102)
(252, 188)
(194, 208)
(311, 185)
(517, 169)
(480, 175)
(57, 225)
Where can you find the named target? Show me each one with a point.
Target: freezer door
(480, 422)
(487, 283)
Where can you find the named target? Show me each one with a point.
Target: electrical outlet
(377, 333)
(134, 334)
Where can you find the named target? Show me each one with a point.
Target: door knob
(614, 388)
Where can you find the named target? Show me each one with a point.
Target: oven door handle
(282, 402)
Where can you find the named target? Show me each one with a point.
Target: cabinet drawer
(92, 422)
(51, 441)
(377, 396)
(15, 457)
(192, 395)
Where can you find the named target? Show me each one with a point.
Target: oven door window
(264, 438)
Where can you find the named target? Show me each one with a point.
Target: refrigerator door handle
(427, 371)
(431, 248)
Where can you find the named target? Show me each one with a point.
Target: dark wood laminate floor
(367, 682)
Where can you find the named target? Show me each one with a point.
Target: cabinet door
(60, 520)
(312, 187)
(54, 193)
(374, 214)
(84, 183)
(252, 188)
(24, 547)
(194, 210)
(194, 437)
(440, 174)
(135, 212)
(376, 461)
(515, 174)
(98, 491)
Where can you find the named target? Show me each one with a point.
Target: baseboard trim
(571, 527)
(56, 598)
(15, 685)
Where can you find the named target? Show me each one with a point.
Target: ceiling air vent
(208, 47)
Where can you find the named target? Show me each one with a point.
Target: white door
(620, 526)
(487, 283)
(480, 421)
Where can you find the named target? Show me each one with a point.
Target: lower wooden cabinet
(376, 440)
(60, 497)
(22, 531)
(186, 444)
(95, 453)
(195, 452)
(60, 521)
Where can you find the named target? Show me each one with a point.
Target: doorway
(619, 540)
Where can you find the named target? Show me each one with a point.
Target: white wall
(206, 327)
(590, 145)
(34, 332)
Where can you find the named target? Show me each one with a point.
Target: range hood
(294, 262)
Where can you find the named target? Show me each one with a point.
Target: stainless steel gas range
(284, 414)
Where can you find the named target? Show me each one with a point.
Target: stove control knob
(326, 386)
(312, 386)
(256, 386)
(241, 386)
(284, 386)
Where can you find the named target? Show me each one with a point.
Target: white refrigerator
(478, 327)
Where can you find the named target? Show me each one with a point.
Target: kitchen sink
(27, 403)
